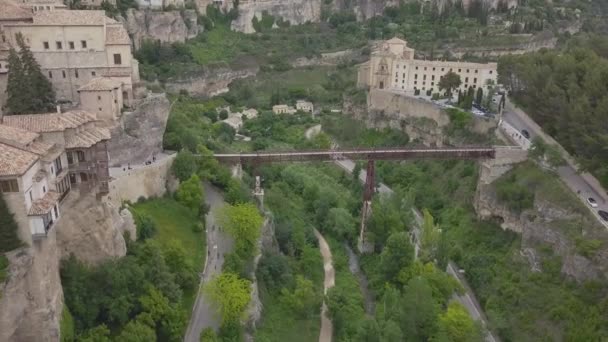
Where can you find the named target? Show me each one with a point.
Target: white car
(592, 202)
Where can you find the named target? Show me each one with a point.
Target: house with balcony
(33, 180)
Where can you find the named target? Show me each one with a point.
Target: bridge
(369, 154)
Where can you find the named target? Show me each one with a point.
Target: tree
(391, 332)
(137, 331)
(146, 228)
(243, 222)
(419, 310)
(368, 331)
(9, 239)
(449, 81)
(29, 84)
(397, 255)
(341, 223)
(184, 165)
(431, 234)
(230, 294)
(208, 335)
(479, 96)
(303, 300)
(458, 325)
(274, 271)
(179, 264)
(100, 333)
(190, 193)
(169, 319)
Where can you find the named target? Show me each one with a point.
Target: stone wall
(297, 12)
(32, 297)
(143, 181)
(209, 82)
(169, 26)
(138, 135)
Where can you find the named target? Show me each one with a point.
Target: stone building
(83, 139)
(33, 180)
(72, 48)
(305, 106)
(43, 5)
(392, 66)
(160, 4)
(102, 96)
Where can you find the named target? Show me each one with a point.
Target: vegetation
(449, 82)
(9, 239)
(563, 92)
(231, 294)
(243, 222)
(28, 90)
(190, 193)
(66, 326)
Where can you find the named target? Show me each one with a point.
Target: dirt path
(327, 327)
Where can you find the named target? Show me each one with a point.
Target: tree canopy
(243, 222)
(9, 239)
(449, 82)
(230, 294)
(190, 193)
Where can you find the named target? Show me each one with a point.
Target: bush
(146, 228)
(516, 196)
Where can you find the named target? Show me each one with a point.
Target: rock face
(90, 229)
(32, 298)
(210, 82)
(170, 26)
(139, 134)
(544, 225)
(297, 12)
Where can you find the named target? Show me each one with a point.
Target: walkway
(124, 169)
(218, 245)
(327, 327)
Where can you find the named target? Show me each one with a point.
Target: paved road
(327, 327)
(218, 245)
(567, 173)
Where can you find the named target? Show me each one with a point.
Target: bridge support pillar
(237, 170)
(258, 192)
(363, 245)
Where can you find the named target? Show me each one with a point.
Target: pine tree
(8, 229)
(17, 92)
(37, 90)
(479, 96)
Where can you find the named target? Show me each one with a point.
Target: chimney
(58, 109)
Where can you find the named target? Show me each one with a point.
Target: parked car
(525, 133)
(603, 215)
(592, 202)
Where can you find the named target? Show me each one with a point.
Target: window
(432, 83)
(416, 68)
(98, 98)
(71, 44)
(100, 107)
(44, 189)
(117, 59)
(415, 82)
(476, 70)
(72, 178)
(415, 76)
(52, 171)
(46, 45)
(63, 73)
(93, 73)
(76, 73)
(433, 77)
(80, 155)
(55, 210)
(424, 77)
(58, 165)
(433, 69)
(31, 197)
(490, 72)
(442, 69)
(459, 70)
(425, 68)
(404, 75)
(59, 45)
(466, 80)
(475, 80)
(84, 177)
(50, 74)
(10, 185)
(70, 158)
(3, 38)
(467, 70)
(83, 43)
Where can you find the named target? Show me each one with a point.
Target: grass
(174, 222)
(66, 325)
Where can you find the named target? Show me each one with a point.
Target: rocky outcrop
(331, 59)
(90, 230)
(297, 12)
(138, 135)
(209, 82)
(32, 298)
(169, 26)
(548, 224)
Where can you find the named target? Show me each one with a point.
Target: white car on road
(592, 202)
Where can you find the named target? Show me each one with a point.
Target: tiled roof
(87, 138)
(117, 35)
(14, 161)
(43, 205)
(49, 122)
(70, 18)
(18, 136)
(100, 84)
(9, 10)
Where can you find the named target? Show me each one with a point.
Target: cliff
(209, 82)
(557, 220)
(138, 135)
(297, 12)
(169, 26)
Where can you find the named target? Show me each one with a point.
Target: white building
(305, 106)
(283, 109)
(392, 66)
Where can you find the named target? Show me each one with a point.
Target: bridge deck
(472, 153)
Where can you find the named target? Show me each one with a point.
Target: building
(392, 66)
(159, 4)
(304, 106)
(234, 122)
(33, 180)
(103, 96)
(283, 109)
(72, 47)
(96, 3)
(83, 139)
(43, 5)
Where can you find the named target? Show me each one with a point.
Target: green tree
(397, 255)
(100, 333)
(449, 82)
(179, 264)
(342, 224)
(243, 222)
(9, 239)
(419, 310)
(190, 193)
(368, 331)
(458, 325)
(429, 240)
(230, 294)
(34, 87)
(208, 335)
(184, 165)
(479, 96)
(391, 332)
(169, 318)
(303, 300)
(136, 331)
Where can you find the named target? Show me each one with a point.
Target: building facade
(393, 67)
(72, 47)
(102, 96)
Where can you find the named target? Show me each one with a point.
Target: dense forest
(566, 92)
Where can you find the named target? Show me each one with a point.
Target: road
(567, 173)
(327, 327)
(218, 245)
